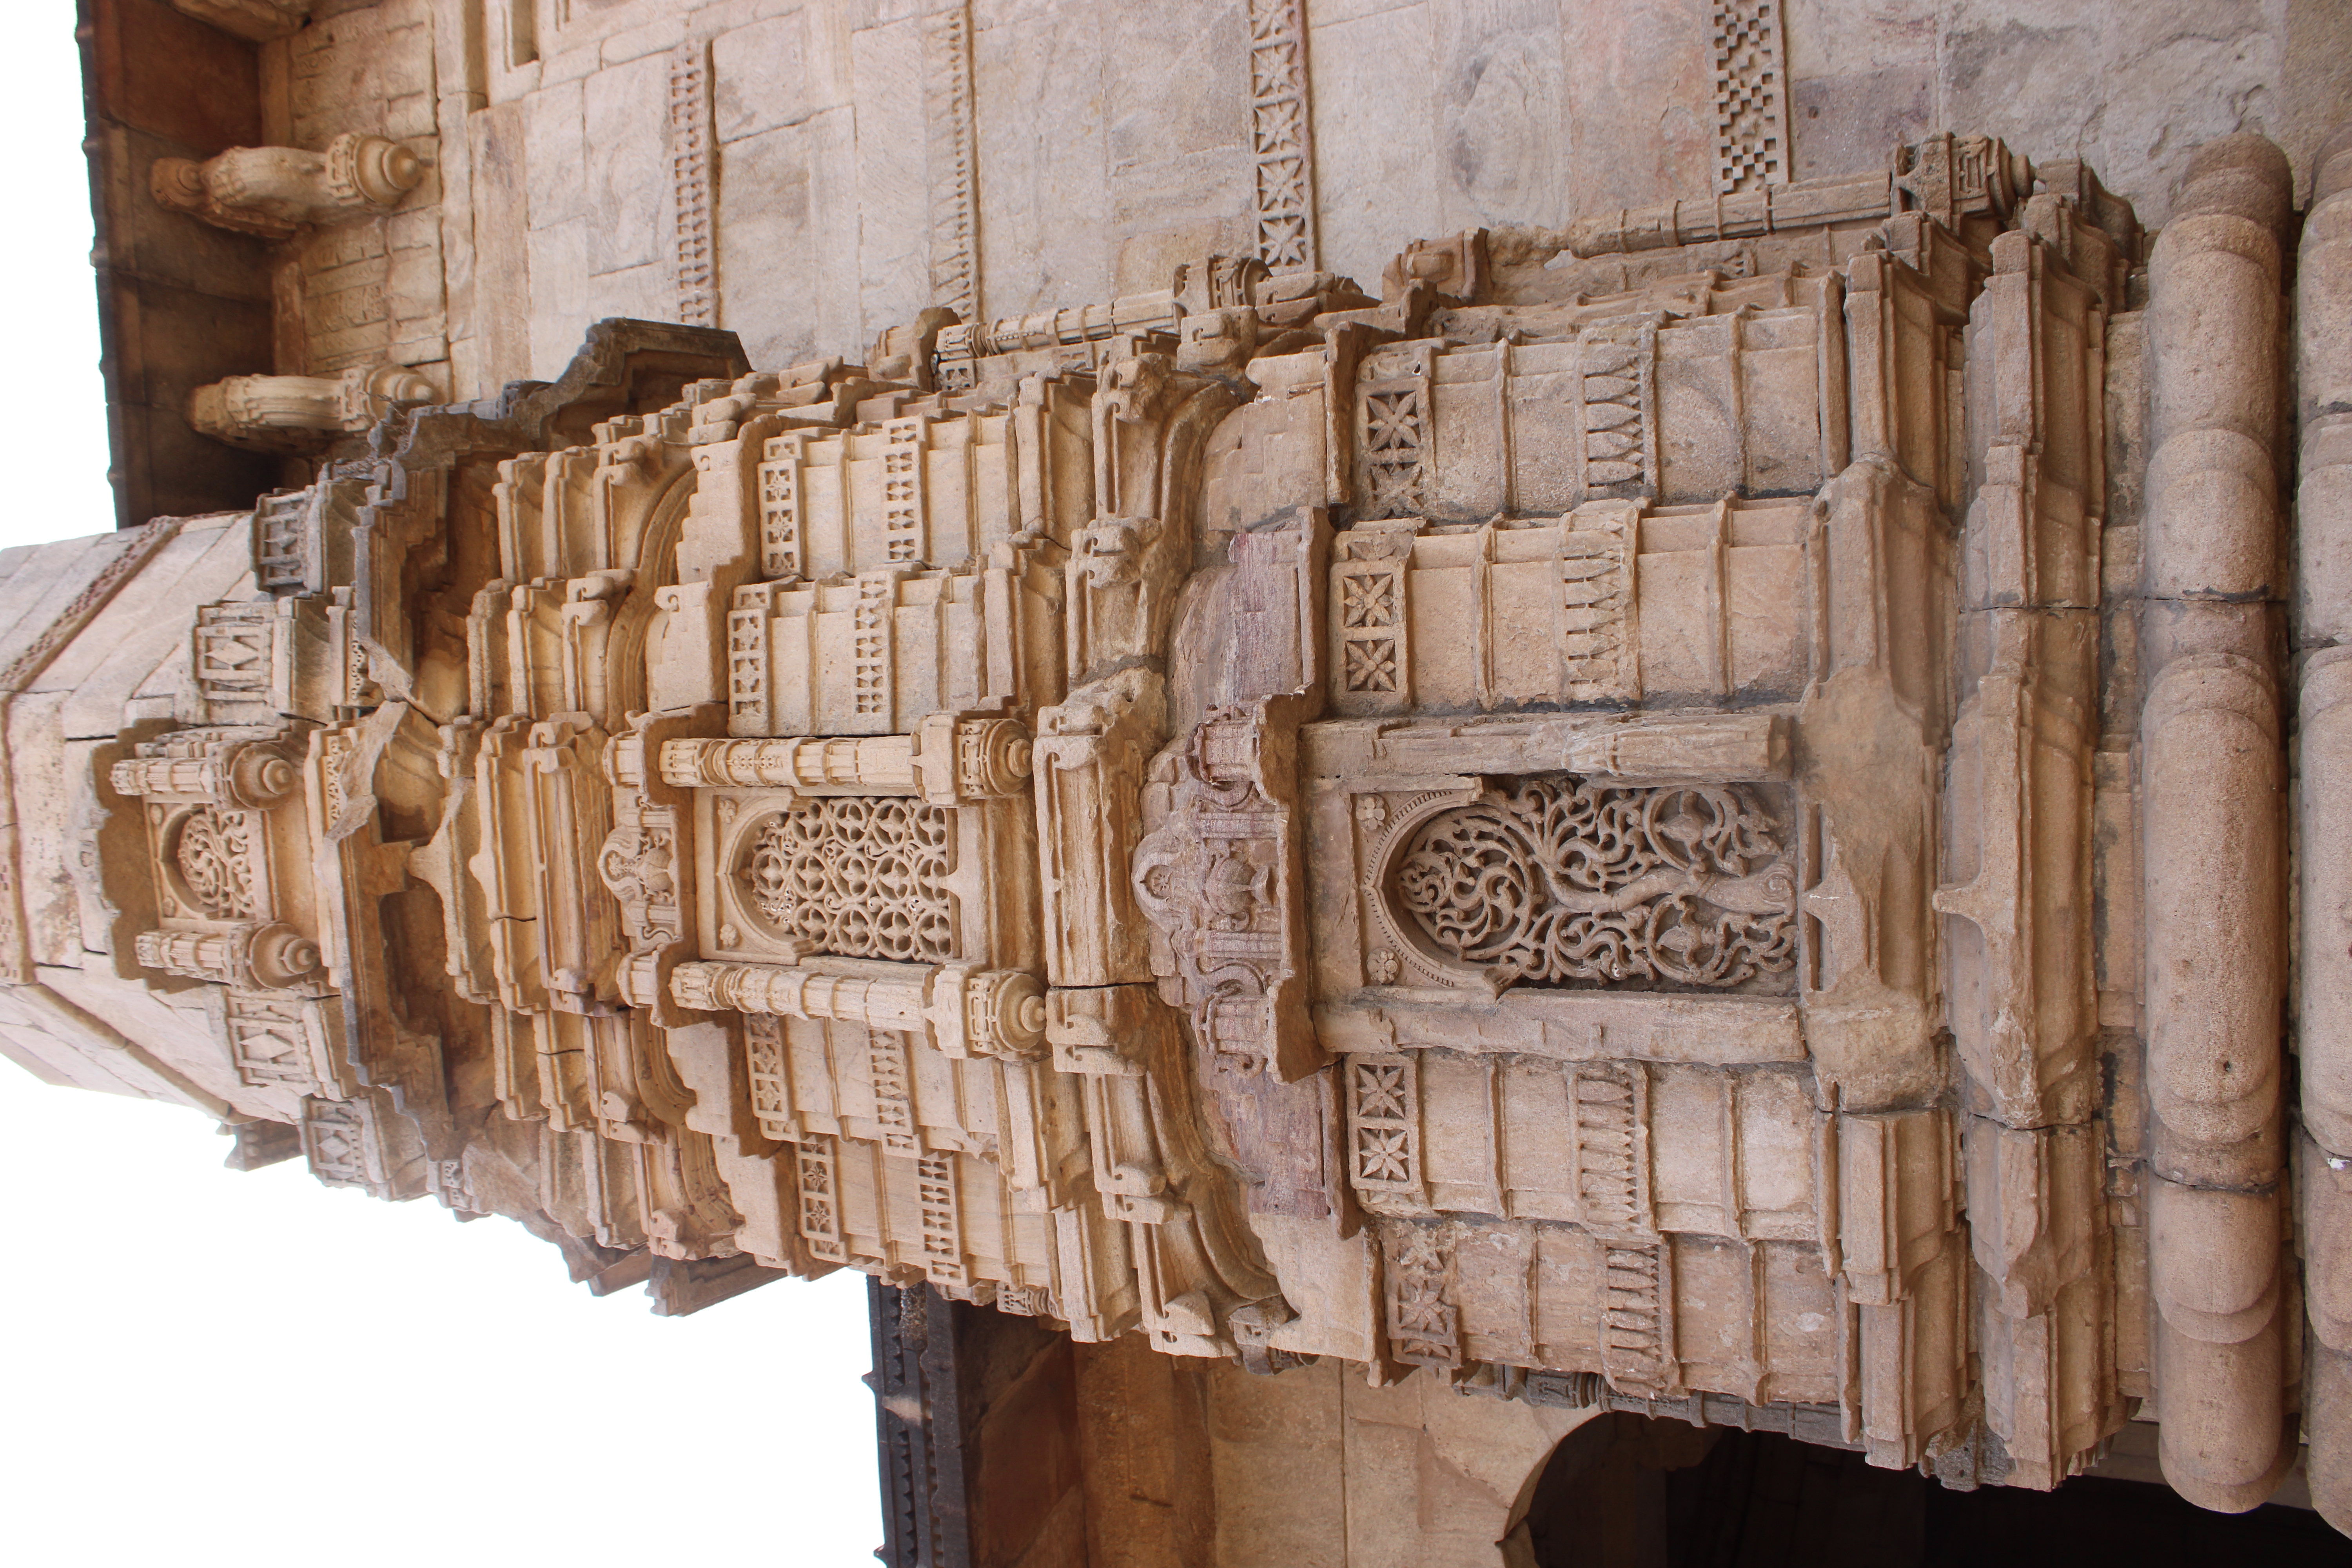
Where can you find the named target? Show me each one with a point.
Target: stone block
(1050, 159)
(1503, 138)
(786, 206)
(1836, 38)
(892, 221)
(558, 258)
(625, 114)
(1852, 124)
(760, 76)
(1640, 85)
(1375, 125)
(554, 183)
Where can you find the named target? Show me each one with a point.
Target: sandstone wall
(840, 174)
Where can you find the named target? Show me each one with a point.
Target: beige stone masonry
(1496, 717)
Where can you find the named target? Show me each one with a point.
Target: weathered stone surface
(1487, 714)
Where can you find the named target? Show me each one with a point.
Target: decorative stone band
(292, 413)
(249, 773)
(963, 1011)
(273, 957)
(273, 191)
(1945, 175)
(947, 761)
(960, 346)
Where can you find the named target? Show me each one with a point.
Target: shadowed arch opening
(1629, 1491)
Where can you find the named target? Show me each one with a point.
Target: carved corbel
(303, 413)
(1221, 879)
(1151, 422)
(274, 191)
(258, 20)
(1092, 752)
(909, 352)
(1454, 270)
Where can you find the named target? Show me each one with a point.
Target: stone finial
(298, 413)
(273, 191)
(260, 20)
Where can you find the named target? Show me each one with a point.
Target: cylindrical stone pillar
(2212, 840)
(963, 1012)
(865, 764)
(2322, 638)
(947, 761)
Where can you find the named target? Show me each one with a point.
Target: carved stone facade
(1670, 808)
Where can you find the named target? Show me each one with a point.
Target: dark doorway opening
(1623, 1491)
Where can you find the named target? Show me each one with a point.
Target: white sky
(198, 1366)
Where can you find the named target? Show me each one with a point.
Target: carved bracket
(303, 413)
(1221, 880)
(274, 191)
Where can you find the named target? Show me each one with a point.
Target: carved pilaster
(961, 1012)
(947, 761)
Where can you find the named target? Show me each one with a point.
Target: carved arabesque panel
(212, 864)
(1556, 880)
